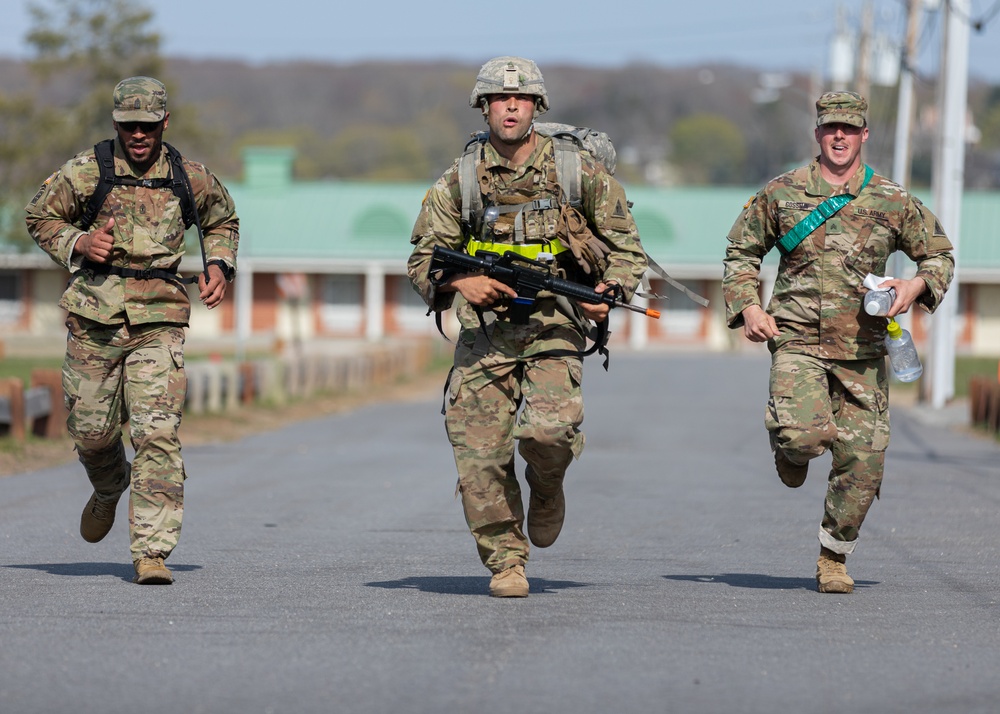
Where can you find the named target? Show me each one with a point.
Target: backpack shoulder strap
(180, 184)
(104, 155)
(569, 167)
(472, 198)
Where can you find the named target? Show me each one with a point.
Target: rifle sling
(819, 215)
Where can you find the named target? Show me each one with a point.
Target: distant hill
(394, 120)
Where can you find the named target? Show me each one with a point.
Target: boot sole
(509, 593)
(836, 588)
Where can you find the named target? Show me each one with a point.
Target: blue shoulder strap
(790, 241)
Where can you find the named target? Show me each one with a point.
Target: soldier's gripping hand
(907, 292)
(758, 326)
(214, 289)
(479, 290)
(96, 245)
(597, 313)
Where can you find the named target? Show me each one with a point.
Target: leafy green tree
(708, 149)
(378, 153)
(95, 43)
(989, 121)
(81, 49)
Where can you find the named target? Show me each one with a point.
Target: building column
(374, 303)
(244, 307)
(638, 325)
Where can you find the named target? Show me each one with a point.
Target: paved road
(326, 568)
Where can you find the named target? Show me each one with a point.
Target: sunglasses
(129, 127)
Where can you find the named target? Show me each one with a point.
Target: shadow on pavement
(468, 585)
(756, 580)
(125, 571)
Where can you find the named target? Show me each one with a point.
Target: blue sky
(767, 34)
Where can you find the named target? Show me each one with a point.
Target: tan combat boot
(152, 571)
(792, 475)
(545, 518)
(509, 583)
(97, 519)
(831, 573)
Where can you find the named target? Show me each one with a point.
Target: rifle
(527, 277)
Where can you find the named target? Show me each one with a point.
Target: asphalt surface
(326, 567)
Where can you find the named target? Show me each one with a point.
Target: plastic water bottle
(878, 302)
(902, 354)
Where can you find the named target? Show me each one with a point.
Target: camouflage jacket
(604, 206)
(817, 301)
(148, 233)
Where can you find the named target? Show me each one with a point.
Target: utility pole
(865, 51)
(902, 153)
(905, 111)
(949, 180)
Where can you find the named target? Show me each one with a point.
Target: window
(11, 306)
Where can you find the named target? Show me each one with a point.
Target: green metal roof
(331, 220)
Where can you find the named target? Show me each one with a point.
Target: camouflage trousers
(496, 396)
(117, 374)
(841, 405)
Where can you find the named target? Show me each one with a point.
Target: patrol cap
(140, 99)
(841, 108)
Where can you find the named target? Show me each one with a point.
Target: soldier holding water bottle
(834, 221)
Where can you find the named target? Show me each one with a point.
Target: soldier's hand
(758, 326)
(214, 289)
(96, 245)
(597, 313)
(907, 292)
(480, 290)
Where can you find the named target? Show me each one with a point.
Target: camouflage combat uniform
(828, 384)
(124, 357)
(491, 379)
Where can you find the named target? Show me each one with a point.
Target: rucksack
(567, 142)
(179, 184)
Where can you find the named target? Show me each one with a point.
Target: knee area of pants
(97, 442)
(547, 438)
(152, 426)
(808, 444)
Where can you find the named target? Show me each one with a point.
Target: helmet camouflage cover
(510, 75)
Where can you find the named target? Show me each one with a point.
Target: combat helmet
(510, 75)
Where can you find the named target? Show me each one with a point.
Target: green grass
(968, 367)
(21, 367)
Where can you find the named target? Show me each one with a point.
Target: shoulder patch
(41, 189)
(938, 230)
(619, 211)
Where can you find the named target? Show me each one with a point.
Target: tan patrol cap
(140, 99)
(841, 108)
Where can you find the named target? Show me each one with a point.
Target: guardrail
(984, 403)
(224, 385)
(40, 406)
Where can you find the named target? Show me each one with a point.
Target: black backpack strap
(137, 273)
(104, 154)
(181, 186)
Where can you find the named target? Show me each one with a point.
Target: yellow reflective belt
(525, 250)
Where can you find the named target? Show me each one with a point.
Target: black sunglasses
(147, 126)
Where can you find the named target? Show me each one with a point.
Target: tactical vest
(567, 142)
